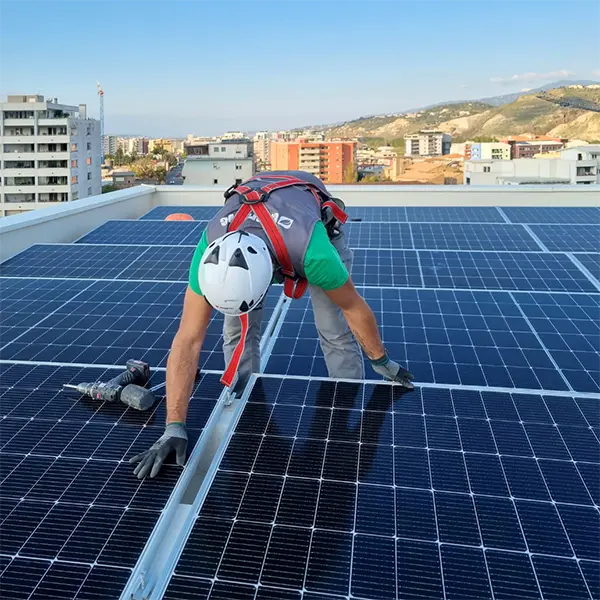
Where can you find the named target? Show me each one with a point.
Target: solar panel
(377, 213)
(445, 337)
(199, 213)
(114, 320)
(338, 490)
(569, 328)
(456, 214)
(468, 236)
(148, 233)
(552, 214)
(378, 235)
(74, 519)
(569, 238)
(502, 271)
(386, 267)
(591, 262)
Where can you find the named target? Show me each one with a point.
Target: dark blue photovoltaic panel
(591, 262)
(378, 235)
(377, 213)
(198, 213)
(395, 268)
(554, 214)
(447, 337)
(166, 263)
(146, 233)
(569, 328)
(73, 512)
(469, 236)
(114, 320)
(569, 238)
(347, 489)
(503, 271)
(453, 214)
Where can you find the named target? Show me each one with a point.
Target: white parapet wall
(69, 221)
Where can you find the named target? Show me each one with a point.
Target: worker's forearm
(181, 372)
(363, 325)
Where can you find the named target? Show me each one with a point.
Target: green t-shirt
(322, 263)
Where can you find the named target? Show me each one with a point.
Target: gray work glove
(392, 371)
(173, 439)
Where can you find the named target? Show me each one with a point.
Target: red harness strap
(229, 374)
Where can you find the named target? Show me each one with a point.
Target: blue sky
(172, 68)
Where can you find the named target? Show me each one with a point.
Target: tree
(160, 173)
(350, 173)
(133, 156)
(144, 168)
(119, 157)
(159, 149)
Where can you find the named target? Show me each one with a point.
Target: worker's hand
(392, 371)
(173, 439)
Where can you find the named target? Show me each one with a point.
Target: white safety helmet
(235, 272)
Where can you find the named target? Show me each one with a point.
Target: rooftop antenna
(101, 94)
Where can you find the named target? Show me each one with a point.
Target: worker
(282, 226)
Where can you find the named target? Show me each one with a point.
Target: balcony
(54, 122)
(16, 198)
(19, 181)
(58, 197)
(29, 121)
(15, 151)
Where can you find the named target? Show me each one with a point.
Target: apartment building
(487, 151)
(427, 142)
(224, 163)
(49, 153)
(134, 145)
(332, 161)
(579, 165)
(110, 144)
(262, 150)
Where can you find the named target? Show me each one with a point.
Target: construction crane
(101, 94)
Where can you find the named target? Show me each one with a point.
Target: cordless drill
(123, 387)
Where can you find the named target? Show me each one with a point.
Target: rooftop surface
(483, 482)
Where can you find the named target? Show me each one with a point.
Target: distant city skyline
(282, 65)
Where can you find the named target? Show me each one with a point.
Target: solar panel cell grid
(569, 238)
(114, 320)
(100, 261)
(547, 214)
(468, 338)
(71, 505)
(591, 262)
(502, 271)
(171, 233)
(198, 213)
(440, 523)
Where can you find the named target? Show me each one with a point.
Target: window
(580, 156)
(487, 169)
(74, 179)
(215, 182)
(89, 191)
(89, 176)
(74, 164)
(223, 149)
(216, 148)
(75, 195)
(73, 147)
(89, 145)
(88, 161)
(238, 181)
(238, 167)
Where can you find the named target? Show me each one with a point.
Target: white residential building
(49, 152)
(133, 145)
(427, 143)
(223, 163)
(262, 150)
(110, 144)
(579, 165)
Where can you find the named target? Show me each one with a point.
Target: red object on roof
(179, 217)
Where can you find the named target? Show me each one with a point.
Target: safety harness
(254, 195)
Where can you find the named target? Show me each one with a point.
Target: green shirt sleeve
(322, 263)
(193, 276)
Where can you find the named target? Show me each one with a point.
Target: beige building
(427, 142)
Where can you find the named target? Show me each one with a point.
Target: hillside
(526, 114)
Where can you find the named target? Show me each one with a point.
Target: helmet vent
(252, 250)
(244, 307)
(238, 260)
(213, 257)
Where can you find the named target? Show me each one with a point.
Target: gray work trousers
(342, 353)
